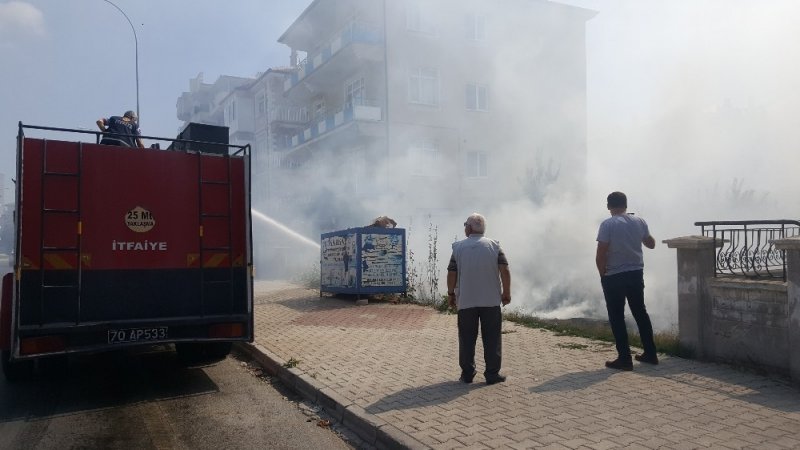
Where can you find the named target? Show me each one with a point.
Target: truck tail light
(42, 344)
(226, 330)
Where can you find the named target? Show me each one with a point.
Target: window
(419, 18)
(476, 165)
(230, 113)
(261, 105)
(423, 86)
(354, 92)
(319, 109)
(424, 158)
(476, 27)
(477, 97)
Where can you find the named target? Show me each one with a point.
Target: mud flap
(5, 311)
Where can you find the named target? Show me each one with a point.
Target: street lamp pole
(136, 41)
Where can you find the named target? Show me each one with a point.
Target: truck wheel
(16, 370)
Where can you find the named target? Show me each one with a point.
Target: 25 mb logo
(140, 220)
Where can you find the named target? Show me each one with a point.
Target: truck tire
(194, 353)
(15, 371)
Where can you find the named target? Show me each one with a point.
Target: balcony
(353, 33)
(363, 111)
(289, 115)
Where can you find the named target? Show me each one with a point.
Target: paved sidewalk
(390, 373)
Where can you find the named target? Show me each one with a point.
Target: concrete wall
(749, 323)
(729, 319)
(792, 247)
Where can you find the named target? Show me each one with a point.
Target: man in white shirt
(478, 282)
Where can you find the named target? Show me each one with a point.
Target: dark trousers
(490, 320)
(616, 288)
(112, 141)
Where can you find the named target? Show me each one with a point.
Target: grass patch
(440, 303)
(573, 346)
(666, 341)
(576, 327)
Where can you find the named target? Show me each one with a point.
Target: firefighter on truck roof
(121, 131)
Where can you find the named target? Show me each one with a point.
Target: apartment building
(409, 108)
(433, 107)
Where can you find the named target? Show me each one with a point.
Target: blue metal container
(366, 260)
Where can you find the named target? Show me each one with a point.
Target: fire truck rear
(118, 247)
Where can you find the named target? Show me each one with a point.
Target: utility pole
(136, 42)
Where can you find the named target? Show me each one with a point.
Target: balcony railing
(354, 32)
(289, 114)
(746, 249)
(357, 110)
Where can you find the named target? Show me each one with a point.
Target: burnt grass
(599, 330)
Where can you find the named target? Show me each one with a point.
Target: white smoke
(690, 112)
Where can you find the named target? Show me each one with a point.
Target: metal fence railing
(745, 247)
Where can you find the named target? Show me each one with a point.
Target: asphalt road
(148, 400)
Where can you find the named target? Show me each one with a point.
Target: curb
(369, 427)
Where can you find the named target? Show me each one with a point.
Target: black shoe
(496, 379)
(619, 364)
(467, 379)
(649, 359)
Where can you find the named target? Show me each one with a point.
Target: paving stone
(398, 363)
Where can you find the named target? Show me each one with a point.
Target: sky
(692, 104)
(68, 63)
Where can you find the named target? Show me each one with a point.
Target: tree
(538, 179)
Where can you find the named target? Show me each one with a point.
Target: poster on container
(366, 260)
(337, 261)
(382, 257)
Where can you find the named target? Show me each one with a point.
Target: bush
(308, 278)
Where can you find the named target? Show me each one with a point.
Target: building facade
(462, 99)
(412, 108)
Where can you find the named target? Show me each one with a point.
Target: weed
(309, 278)
(291, 363)
(412, 277)
(432, 269)
(443, 305)
(668, 342)
(422, 280)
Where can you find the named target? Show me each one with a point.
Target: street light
(136, 41)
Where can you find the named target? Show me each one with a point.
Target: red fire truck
(118, 247)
